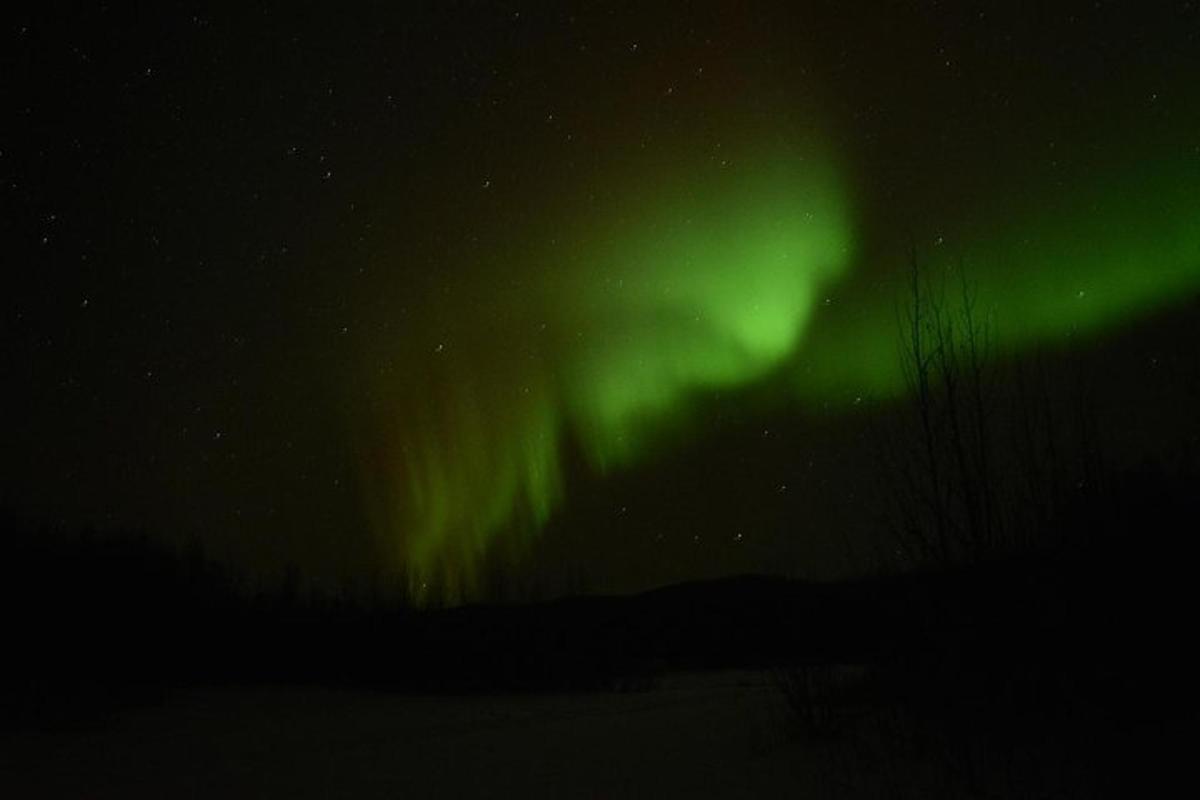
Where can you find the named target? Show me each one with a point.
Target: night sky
(604, 290)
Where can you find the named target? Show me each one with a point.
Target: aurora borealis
(706, 286)
(712, 289)
(1072, 266)
(707, 282)
(395, 295)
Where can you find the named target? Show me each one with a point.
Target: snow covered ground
(696, 735)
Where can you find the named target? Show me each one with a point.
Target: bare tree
(940, 469)
(984, 455)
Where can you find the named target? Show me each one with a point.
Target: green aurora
(707, 285)
(1064, 266)
(712, 281)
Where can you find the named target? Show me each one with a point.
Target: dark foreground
(1067, 672)
(715, 735)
